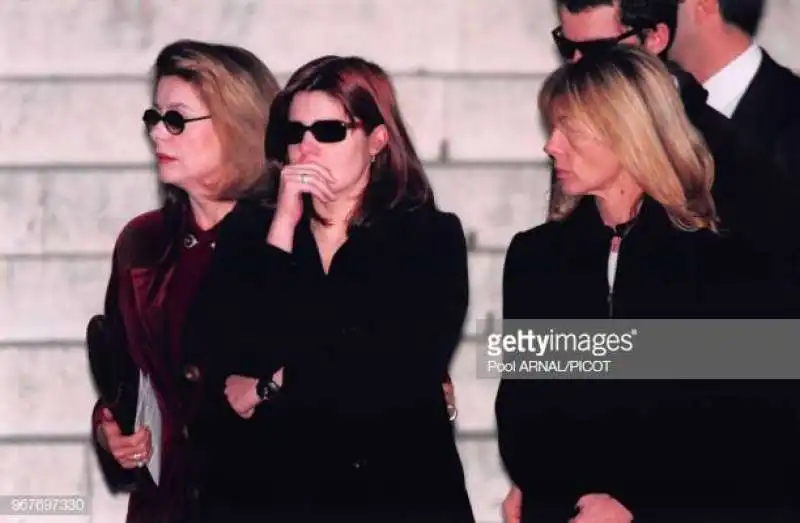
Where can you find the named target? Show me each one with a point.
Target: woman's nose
(549, 147)
(159, 133)
(553, 145)
(308, 144)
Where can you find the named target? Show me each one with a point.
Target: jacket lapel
(149, 285)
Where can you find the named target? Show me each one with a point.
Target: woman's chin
(571, 188)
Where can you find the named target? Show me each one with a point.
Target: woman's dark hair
(396, 177)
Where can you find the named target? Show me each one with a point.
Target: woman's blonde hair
(238, 89)
(626, 98)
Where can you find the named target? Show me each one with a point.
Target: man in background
(714, 42)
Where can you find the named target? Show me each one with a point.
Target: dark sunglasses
(567, 47)
(174, 121)
(324, 131)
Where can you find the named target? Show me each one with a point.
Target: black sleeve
(516, 398)
(247, 298)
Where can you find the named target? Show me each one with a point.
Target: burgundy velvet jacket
(152, 322)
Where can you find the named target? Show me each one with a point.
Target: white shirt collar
(728, 85)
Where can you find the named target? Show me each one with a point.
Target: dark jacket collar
(693, 95)
(586, 217)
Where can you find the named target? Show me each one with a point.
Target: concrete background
(74, 167)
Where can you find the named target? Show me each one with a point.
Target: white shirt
(727, 87)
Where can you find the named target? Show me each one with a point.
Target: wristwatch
(266, 389)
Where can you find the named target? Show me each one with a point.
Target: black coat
(757, 183)
(769, 114)
(668, 450)
(360, 431)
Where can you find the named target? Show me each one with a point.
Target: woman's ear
(378, 139)
(656, 40)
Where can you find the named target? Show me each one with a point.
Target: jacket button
(185, 432)
(191, 373)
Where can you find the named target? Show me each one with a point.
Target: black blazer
(769, 113)
(360, 431)
(756, 189)
(667, 450)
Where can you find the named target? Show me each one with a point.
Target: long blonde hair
(239, 90)
(626, 98)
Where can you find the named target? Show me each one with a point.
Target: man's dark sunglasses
(567, 47)
(174, 121)
(324, 131)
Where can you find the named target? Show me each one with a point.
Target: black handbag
(116, 380)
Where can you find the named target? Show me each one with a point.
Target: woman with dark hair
(363, 285)
(210, 105)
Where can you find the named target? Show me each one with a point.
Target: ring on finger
(303, 178)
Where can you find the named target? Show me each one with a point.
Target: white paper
(148, 414)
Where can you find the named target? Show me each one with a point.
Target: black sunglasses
(174, 121)
(324, 131)
(567, 47)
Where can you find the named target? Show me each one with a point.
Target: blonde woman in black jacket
(635, 235)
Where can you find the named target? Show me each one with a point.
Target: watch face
(265, 390)
(261, 390)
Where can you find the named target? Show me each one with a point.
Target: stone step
(44, 467)
(107, 37)
(487, 482)
(71, 211)
(52, 298)
(99, 121)
(105, 505)
(81, 211)
(73, 37)
(40, 470)
(493, 202)
(41, 402)
(58, 404)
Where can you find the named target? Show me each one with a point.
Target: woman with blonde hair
(634, 234)
(162, 429)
